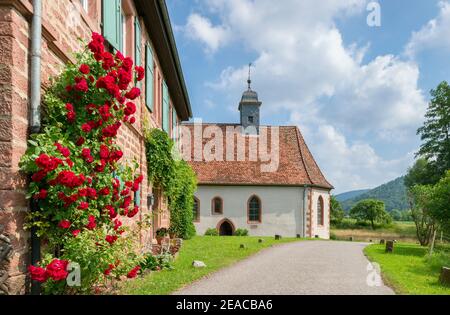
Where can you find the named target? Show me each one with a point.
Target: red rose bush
(83, 188)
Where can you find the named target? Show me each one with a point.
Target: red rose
(134, 272)
(133, 94)
(38, 274)
(41, 195)
(86, 128)
(107, 272)
(64, 224)
(69, 107)
(108, 60)
(104, 192)
(130, 109)
(111, 239)
(140, 71)
(92, 193)
(82, 86)
(71, 116)
(75, 233)
(85, 153)
(57, 269)
(91, 225)
(112, 212)
(96, 45)
(133, 213)
(83, 205)
(80, 141)
(104, 152)
(127, 64)
(84, 69)
(119, 56)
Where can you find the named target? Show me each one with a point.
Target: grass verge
(409, 270)
(215, 252)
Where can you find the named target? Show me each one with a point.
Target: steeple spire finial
(249, 81)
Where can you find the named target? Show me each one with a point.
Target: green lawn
(409, 270)
(215, 252)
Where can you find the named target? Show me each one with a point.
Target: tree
(337, 213)
(421, 173)
(420, 206)
(370, 210)
(439, 201)
(435, 132)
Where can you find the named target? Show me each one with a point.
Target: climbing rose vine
(77, 178)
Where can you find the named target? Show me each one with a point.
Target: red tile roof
(297, 166)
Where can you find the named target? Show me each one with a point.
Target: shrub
(241, 232)
(333, 237)
(158, 262)
(82, 192)
(177, 179)
(212, 232)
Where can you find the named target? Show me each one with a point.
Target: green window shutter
(149, 78)
(137, 41)
(137, 198)
(174, 121)
(166, 108)
(112, 25)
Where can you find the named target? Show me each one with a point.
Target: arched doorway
(226, 228)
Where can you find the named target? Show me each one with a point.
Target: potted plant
(172, 233)
(160, 235)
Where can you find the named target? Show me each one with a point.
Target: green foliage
(393, 194)
(241, 232)
(421, 213)
(212, 232)
(158, 262)
(401, 215)
(177, 179)
(370, 210)
(337, 213)
(419, 174)
(435, 132)
(162, 232)
(440, 201)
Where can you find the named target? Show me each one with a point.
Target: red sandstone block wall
(60, 38)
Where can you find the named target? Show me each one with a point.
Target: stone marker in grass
(243, 246)
(382, 242)
(198, 264)
(277, 237)
(260, 240)
(389, 246)
(444, 279)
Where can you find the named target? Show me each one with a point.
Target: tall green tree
(420, 196)
(337, 213)
(435, 132)
(370, 210)
(421, 173)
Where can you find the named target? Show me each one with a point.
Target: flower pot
(159, 240)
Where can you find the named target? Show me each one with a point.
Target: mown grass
(215, 252)
(409, 270)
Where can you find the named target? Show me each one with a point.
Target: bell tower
(249, 107)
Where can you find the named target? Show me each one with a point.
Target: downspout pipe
(305, 205)
(35, 117)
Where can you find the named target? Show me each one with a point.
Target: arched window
(320, 213)
(196, 210)
(217, 206)
(254, 210)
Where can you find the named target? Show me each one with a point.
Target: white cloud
(435, 34)
(304, 67)
(201, 29)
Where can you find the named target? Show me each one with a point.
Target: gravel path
(309, 267)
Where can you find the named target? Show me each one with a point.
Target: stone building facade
(140, 29)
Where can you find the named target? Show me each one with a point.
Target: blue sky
(358, 93)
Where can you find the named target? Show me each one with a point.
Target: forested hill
(351, 194)
(393, 194)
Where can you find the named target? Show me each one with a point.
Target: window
(174, 123)
(166, 107)
(137, 42)
(112, 22)
(254, 209)
(217, 206)
(250, 119)
(196, 210)
(123, 33)
(149, 78)
(320, 214)
(85, 5)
